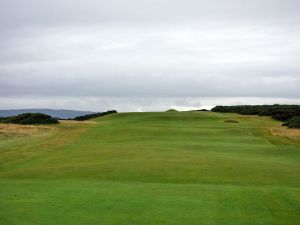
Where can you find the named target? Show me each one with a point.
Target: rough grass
(153, 168)
(290, 133)
(9, 131)
(15, 129)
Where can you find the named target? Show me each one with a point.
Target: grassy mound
(172, 110)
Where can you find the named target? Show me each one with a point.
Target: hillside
(168, 168)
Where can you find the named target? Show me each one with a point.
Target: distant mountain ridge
(58, 113)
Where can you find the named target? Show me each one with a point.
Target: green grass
(167, 168)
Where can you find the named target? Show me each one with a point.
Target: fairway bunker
(231, 121)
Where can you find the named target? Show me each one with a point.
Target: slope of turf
(152, 168)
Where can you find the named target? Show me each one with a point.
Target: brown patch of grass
(11, 130)
(293, 134)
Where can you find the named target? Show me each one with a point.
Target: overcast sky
(143, 55)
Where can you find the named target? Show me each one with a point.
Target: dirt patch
(293, 134)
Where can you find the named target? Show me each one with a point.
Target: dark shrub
(94, 115)
(31, 118)
(293, 122)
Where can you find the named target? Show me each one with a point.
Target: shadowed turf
(152, 168)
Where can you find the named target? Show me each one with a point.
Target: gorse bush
(293, 122)
(30, 118)
(277, 112)
(94, 115)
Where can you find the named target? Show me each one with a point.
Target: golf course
(151, 168)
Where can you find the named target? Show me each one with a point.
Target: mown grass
(153, 168)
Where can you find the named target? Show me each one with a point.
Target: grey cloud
(135, 104)
(36, 12)
(159, 50)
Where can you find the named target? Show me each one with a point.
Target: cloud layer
(169, 53)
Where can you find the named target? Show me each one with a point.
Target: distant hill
(58, 113)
